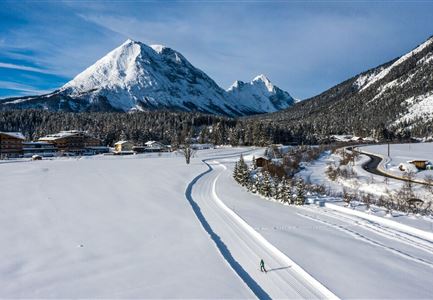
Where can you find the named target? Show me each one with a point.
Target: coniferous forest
(177, 127)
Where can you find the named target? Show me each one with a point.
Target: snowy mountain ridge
(135, 76)
(395, 97)
(256, 92)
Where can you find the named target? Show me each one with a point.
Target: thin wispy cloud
(23, 68)
(22, 89)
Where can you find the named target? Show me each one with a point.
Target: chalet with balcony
(72, 141)
(11, 144)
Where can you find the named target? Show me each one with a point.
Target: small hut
(262, 161)
(123, 146)
(420, 164)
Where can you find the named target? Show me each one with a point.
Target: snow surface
(99, 227)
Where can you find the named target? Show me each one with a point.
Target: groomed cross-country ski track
(243, 247)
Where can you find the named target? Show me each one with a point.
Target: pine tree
(279, 190)
(266, 185)
(241, 172)
(287, 191)
(254, 185)
(254, 163)
(236, 172)
(300, 192)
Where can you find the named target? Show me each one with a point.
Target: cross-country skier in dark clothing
(262, 266)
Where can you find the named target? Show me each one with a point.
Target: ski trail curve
(243, 247)
(221, 246)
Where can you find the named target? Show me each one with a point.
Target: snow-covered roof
(342, 138)
(61, 134)
(122, 142)
(153, 143)
(261, 156)
(17, 135)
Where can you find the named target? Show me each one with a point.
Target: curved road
(242, 247)
(371, 167)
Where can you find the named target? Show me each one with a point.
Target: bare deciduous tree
(188, 152)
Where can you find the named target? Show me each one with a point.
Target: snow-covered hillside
(135, 76)
(260, 93)
(394, 97)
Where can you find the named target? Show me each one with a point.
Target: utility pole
(389, 149)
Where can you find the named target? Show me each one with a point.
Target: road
(372, 167)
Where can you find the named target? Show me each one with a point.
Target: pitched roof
(17, 135)
(61, 134)
(122, 142)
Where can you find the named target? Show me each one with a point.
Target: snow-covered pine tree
(254, 163)
(245, 174)
(266, 185)
(279, 190)
(286, 191)
(254, 184)
(236, 172)
(300, 192)
(243, 171)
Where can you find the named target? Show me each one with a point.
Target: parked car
(36, 157)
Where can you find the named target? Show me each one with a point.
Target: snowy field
(106, 227)
(149, 226)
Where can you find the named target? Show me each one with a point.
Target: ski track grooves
(368, 240)
(390, 233)
(225, 252)
(297, 280)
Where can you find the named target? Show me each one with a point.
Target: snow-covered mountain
(135, 76)
(396, 96)
(261, 94)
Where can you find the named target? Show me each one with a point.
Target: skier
(262, 266)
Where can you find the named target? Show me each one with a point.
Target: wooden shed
(122, 146)
(419, 164)
(262, 161)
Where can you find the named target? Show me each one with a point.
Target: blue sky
(303, 47)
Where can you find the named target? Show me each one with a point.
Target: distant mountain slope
(135, 76)
(396, 96)
(260, 93)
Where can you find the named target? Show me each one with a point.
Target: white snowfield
(149, 226)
